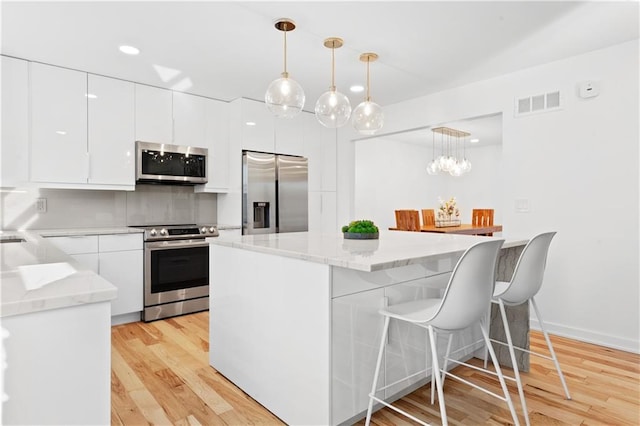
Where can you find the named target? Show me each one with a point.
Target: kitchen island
(56, 337)
(294, 317)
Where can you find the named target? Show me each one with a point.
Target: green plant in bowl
(360, 230)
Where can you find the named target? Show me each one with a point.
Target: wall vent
(544, 102)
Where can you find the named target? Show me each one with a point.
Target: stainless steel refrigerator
(274, 193)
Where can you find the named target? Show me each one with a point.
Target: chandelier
(449, 160)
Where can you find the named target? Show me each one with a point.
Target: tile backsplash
(66, 208)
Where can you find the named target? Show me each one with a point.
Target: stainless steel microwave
(170, 164)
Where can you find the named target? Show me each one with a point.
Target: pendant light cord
(333, 67)
(368, 94)
(285, 50)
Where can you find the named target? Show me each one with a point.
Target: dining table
(464, 229)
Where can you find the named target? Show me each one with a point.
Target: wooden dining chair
(408, 220)
(482, 217)
(428, 217)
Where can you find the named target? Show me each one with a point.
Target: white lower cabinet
(118, 258)
(121, 258)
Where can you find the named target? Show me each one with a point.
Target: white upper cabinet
(320, 146)
(154, 114)
(289, 135)
(111, 131)
(217, 142)
(257, 127)
(189, 120)
(58, 124)
(14, 148)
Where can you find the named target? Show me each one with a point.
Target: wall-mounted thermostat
(589, 89)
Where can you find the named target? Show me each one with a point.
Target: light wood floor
(161, 375)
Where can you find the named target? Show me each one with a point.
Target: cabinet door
(257, 124)
(124, 270)
(355, 332)
(320, 146)
(217, 137)
(111, 131)
(58, 125)
(14, 148)
(154, 114)
(189, 121)
(322, 212)
(89, 261)
(289, 135)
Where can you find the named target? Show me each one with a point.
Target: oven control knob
(163, 232)
(203, 230)
(212, 229)
(153, 232)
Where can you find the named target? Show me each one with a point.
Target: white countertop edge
(70, 232)
(81, 287)
(349, 263)
(27, 306)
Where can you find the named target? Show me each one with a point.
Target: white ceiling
(227, 50)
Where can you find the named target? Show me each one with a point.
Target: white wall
(578, 168)
(391, 175)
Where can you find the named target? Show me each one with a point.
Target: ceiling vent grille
(545, 102)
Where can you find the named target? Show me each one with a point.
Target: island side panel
(58, 366)
(270, 330)
(517, 316)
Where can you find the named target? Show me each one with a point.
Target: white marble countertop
(36, 276)
(392, 249)
(70, 232)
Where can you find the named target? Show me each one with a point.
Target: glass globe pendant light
(434, 165)
(333, 108)
(367, 118)
(284, 97)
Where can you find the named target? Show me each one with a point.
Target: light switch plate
(41, 205)
(522, 205)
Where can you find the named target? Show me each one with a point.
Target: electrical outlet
(41, 205)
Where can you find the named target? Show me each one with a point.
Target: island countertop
(37, 276)
(391, 250)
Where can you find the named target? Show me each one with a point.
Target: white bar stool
(524, 285)
(465, 302)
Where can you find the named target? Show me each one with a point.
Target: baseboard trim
(614, 342)
(125, 318)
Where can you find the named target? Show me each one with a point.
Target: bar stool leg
(512, 353)
(507, 396)
(436, 374)
(445, 361)
(551, 351)
(385, 330)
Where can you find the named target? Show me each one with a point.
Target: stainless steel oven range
(176, 270)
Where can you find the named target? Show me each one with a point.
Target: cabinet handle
(88, 167)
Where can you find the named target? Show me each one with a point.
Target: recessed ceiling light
(90, 95)
(476, 140)
(129, 50)
(250, 123)
(356, 88)
(61, 132)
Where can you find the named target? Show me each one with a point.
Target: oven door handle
(175, 244)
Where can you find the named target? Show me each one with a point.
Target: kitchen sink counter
(37, 276)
